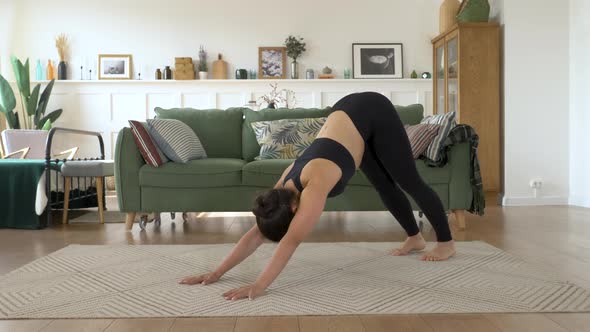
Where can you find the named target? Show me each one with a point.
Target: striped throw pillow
(147, 147)
(421, 135)
(446, 122)
(177, 140)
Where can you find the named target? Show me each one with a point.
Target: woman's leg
(395, 200)
(392, 148)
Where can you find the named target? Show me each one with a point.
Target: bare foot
(412, 243)
(442, 251)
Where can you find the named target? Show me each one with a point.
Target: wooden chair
(97, 169)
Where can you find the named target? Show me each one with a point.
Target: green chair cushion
(219, 131)
(250, 146)
(201, 173)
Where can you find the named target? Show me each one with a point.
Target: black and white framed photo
(272, 62)
(379, 60)
(114, 67)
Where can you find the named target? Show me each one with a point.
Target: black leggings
(389, 164)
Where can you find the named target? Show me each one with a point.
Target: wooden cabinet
(467, 81)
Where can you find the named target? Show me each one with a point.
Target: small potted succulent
(202, 63)
(295, 47)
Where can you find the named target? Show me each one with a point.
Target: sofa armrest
(460, 194)
(128, 161)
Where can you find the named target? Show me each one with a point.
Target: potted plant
(33, 104)
(295, 47)
(202, 63)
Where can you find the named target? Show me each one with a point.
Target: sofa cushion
(410, 114)
(149, 150)
(220, 131)
(201, 173)
(250, 146)
(266, 173)
(446, 122)
(286, 138)
(177, 140)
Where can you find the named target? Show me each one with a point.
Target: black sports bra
(329, 149)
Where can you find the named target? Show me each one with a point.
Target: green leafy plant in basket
(34, 104)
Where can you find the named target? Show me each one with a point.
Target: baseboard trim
(582, 201)
(532, 201)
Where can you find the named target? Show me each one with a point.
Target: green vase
(414, 74)
(475, 11)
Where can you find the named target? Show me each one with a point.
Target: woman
(365, 131)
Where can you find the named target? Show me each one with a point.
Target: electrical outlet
(536, 183)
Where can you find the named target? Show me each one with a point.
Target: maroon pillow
(421, 135)
(146, 145)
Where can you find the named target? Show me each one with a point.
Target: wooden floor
(558, 237)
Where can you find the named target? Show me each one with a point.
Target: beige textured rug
(119, 281)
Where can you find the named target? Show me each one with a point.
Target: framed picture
(114, 67)
(380, 60)
(272, 62)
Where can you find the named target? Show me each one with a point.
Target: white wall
(156, 31)
(580, 103)
(536, 100)
(7, 21)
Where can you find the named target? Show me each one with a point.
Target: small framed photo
(272, 62)
(380, 60)
(114, 66)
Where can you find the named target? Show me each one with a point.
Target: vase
(40, 76)
(62, 71)
(241, 74)
(272, 106)
(474, 11)
(167, 73)
(50, 72)
(309, 74)
(448, 14)
(202, 75)
(294, 70)
(158, 74)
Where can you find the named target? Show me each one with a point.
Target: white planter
(202, 75)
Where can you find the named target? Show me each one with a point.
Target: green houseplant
(202, 63)
(295, 47)
(33, 103)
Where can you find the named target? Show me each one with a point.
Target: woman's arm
(245, 247)
(311, 205)
(279, 183)
(310, 209)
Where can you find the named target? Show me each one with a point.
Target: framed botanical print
(272, 62)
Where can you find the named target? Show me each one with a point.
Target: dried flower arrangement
(276, 96)
(61, 43)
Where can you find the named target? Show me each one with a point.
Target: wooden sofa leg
(460, 218)
(129, 220)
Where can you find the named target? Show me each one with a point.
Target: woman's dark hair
(273, 212)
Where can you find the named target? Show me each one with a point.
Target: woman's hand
(204, 279)
(251, 292)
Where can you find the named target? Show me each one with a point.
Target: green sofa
(229, 178)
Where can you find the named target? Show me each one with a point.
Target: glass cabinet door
(453, 75)
(440, 79)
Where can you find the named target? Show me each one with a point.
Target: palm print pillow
(286, 138)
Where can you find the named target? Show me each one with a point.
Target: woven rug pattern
(126, 281)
